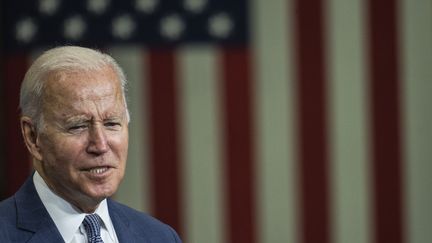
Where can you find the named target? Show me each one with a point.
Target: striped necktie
(92, 226)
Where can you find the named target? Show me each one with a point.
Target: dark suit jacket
(23, 218)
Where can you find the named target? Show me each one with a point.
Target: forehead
(77, 80)
(78, 89)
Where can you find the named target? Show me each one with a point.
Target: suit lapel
(32, 215)
(124, 230)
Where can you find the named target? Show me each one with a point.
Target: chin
(102, 191)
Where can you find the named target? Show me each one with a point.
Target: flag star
(220, 25)
(195, 6)
(74, 27)
(97, 6)
(25, 30)
(146, 6)
(172, 27)
(123, 27)
(48, 7)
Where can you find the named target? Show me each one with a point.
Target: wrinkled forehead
(77, 80)
(74, 86)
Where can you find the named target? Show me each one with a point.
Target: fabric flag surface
(260, 121)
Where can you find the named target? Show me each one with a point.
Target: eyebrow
(77, 119)
(85, 118)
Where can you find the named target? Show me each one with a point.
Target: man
(75, 126)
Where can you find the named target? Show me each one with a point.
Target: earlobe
(30, 136)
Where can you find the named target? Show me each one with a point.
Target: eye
(112, 125)
(76, 128)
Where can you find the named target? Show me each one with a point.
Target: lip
(98, 172)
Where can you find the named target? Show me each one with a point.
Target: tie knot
(92, 226)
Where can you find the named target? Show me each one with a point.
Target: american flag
(259, 121)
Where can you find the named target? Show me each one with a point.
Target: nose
(97, 141)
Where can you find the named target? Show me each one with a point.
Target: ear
(30, 136)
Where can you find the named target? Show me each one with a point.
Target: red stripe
(239, 162)
(386, 147)
(163, 122)
(313, 157)
(18, 164)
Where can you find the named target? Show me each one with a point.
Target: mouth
(98, 171)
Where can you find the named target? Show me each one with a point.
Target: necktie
(92, 226)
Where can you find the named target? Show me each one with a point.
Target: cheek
(57, 165)
(119, 145)
(61, 151)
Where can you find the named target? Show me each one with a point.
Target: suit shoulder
(7, 219)
(142, 222)
(8, 209)
(136, 216)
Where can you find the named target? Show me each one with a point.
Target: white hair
(60, 59)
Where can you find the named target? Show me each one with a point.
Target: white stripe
(416, 60)
(348, 122)
(202, 172)
(134, 190)
(274, 120)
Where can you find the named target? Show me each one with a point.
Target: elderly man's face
(83, 144)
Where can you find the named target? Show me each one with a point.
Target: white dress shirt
(68, 218)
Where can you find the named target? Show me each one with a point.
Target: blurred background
(258, 121)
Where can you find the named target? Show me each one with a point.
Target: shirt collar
(66, 217)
